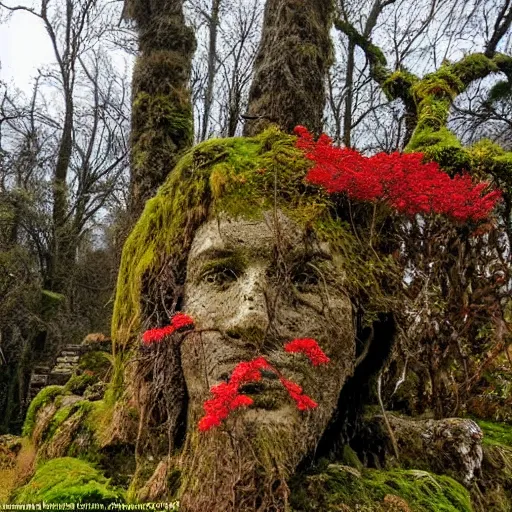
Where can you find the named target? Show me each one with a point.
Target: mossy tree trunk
(291, 68)
(162, 120)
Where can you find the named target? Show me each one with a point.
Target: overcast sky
(24, 47)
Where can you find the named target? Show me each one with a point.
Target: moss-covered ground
(343, 488)
(496, 433)
(68, 480)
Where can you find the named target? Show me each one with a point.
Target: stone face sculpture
(251, 286)
(235, 240)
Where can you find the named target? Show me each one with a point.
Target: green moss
(504, 63)
(77, 384)
(496, 433)
(441, 84)
(473, 67)
(400, 85)
(487, 158)
(500, 91)
(96, 361)
(373, 490)
(442, 146)
(82, 407)
(349, 458)
(68, 480)
(45, 396)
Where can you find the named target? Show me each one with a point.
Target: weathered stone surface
(451, 446)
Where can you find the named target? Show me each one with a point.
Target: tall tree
(291, 67)
(162, 121)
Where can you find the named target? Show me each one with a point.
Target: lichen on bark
(162, 121)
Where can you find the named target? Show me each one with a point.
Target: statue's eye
(220, 275)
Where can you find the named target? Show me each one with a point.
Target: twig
(386, 421)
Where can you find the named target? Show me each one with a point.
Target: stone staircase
(63, 368)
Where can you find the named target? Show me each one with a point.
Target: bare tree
(61, 166)
(223, 64)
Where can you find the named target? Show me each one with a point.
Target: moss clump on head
(68, 480)
(45, 396)
(234, 175)
(375, 491)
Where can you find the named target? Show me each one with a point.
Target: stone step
(41, 369)
(65, 353)
(68, 359)
(63, 368)
(77, 348)
(38, 379)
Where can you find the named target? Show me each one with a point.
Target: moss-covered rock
(68, 480)
(342, 488)
(451, 446)
(77, 384)
(44, 397)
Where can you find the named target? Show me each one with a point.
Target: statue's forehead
(230, 234)
(227, 233)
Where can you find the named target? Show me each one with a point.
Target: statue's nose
(250, 317)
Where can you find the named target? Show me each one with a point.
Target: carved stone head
(235, 240)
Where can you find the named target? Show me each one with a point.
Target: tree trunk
(291, 68)
(162, 121)
(349, 84)
(213, 23)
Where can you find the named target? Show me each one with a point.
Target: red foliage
(179, 322)
(401, 180)
(303, 401)
(227, 396)
(308, 347)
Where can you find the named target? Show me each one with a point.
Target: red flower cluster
(227, 396)
(304, 402)
(402, 180)
(309, 348)
(179, 322)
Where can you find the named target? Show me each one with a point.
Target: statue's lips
(270, 379)
(255, 388)
(266, 394)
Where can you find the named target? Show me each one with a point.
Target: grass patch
(496, 433)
